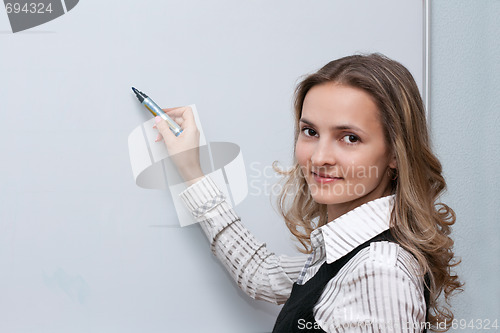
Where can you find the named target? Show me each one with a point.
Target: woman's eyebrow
(338, 127)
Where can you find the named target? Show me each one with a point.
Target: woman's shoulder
(378, 285)
(387, 258)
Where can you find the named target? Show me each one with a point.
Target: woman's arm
(259, 273)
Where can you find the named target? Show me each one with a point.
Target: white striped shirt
(379, 290)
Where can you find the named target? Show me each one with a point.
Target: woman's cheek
(301, 153)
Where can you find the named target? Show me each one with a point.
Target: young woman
(362, 199)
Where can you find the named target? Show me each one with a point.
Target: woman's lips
(324, 180)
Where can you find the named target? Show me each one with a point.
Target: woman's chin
(329, 199)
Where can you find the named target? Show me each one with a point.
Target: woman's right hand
(184, 149)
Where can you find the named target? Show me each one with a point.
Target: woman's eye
(309, 131)
(350, 139)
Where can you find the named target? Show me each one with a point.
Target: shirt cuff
(202, 196)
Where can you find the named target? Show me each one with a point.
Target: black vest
(297, 313)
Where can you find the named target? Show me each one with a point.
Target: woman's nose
(324, 153)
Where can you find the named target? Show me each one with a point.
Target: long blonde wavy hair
(419, 223)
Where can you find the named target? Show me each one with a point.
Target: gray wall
(465, 118)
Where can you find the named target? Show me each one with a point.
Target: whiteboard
(82, 248)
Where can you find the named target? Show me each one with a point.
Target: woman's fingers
(188, 117)
(181, 115)
(179, 120)
(163, 128)
(175, 112)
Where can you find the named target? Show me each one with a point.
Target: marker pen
(157, 111)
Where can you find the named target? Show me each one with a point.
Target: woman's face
(341, 148)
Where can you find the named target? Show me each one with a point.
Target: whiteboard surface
(82, 249)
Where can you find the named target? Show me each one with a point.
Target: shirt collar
(352, 229)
